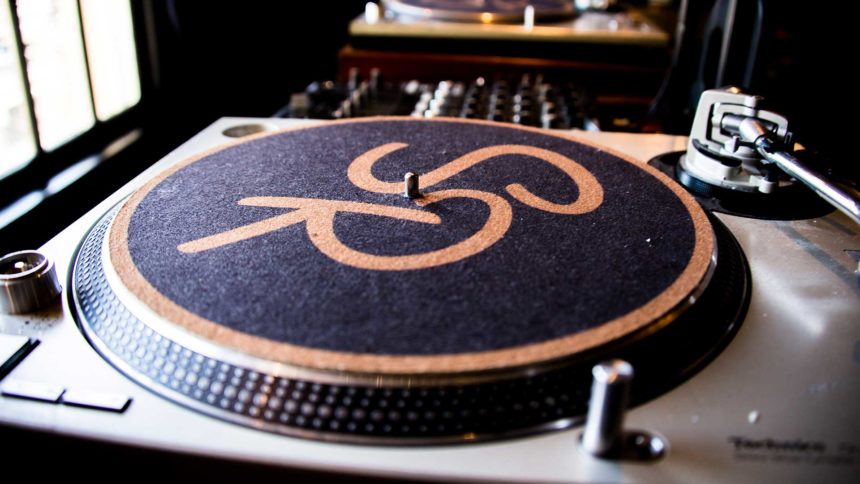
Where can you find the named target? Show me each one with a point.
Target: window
(78, 68)
(54, 56)
(17, 143)
(110, 49)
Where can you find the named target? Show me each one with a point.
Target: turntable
(543, 21)
(477, 10)
(349, 296)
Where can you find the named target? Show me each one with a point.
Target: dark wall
(803, 71)
(229, 58)
(799, 65)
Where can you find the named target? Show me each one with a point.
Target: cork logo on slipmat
(301, 246)
(318, 214)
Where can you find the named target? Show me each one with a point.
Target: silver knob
(346, 108)
(353, 79)
(529, 17)
(371, 13)
(375, 81)
(610, 393)
(28, 282)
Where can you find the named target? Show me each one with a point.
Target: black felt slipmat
(550, 275)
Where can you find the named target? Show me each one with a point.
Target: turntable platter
(295, 257)
(484, 11)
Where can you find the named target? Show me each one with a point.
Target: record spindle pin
(410, 185)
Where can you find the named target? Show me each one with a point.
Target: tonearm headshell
(735, 146)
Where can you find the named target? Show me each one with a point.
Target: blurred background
(94, 91)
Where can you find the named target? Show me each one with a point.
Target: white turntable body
(780, 403)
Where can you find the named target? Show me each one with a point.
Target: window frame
(36, 173)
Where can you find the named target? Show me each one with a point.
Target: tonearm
(736, 145)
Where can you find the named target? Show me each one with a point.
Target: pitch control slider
(760, 134)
